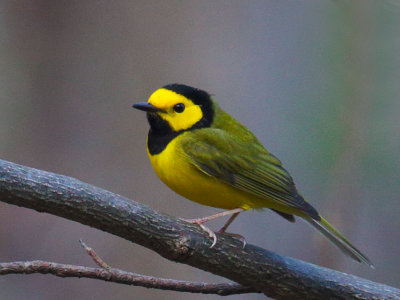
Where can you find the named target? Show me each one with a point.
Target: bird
(205, 155)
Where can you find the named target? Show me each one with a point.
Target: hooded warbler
(207, 156)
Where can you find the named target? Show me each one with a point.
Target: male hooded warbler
(205, 155)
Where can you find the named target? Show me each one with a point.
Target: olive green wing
(245, 164)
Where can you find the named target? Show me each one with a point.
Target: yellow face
(180, 112)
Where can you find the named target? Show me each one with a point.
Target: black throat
(161, 133)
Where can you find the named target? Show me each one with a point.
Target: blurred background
(316, 81)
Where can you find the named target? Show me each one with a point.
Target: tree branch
(107, 273)
(277, 276)
(119, 276)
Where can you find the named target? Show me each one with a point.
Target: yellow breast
(179, 174)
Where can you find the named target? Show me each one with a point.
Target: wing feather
(251, 168)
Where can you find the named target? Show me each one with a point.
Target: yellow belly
(175, 170)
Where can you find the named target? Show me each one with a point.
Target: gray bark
(275, 275)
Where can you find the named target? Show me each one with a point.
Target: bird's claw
(200, 222)
(238, 236)
(211, 234)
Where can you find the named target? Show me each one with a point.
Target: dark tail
(339, 240)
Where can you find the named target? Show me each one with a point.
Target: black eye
(180, 107)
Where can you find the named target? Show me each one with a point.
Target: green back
(230, 152)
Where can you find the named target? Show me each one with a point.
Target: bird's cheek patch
(185, 120)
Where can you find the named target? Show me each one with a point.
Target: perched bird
(205, 155)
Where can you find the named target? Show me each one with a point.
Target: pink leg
(216, 216)
(211, 233)
(223, 229)
(230, 220)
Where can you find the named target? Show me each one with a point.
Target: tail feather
(339, 240)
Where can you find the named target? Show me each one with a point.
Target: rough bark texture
(277, 276)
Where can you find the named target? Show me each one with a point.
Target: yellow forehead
(163, 98)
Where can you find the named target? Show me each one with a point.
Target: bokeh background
(316, 81)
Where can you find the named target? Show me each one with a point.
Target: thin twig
(106, 273)
(119, 276)
(94, 256)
